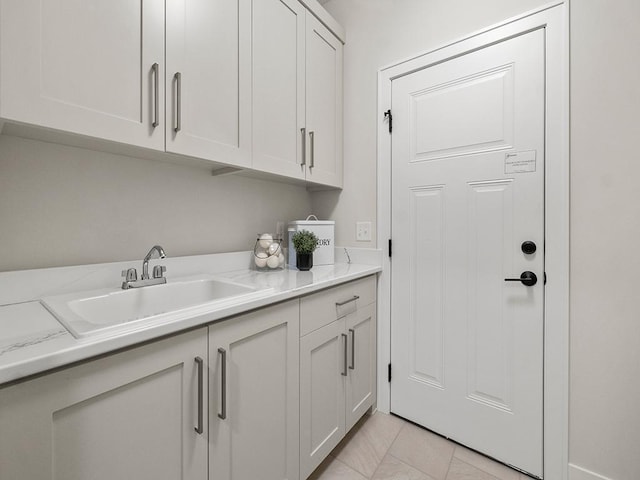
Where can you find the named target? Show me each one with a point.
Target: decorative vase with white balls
(267, 252)
(304, 243)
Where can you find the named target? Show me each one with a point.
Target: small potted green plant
(304, 243)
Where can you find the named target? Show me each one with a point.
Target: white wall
(63, 205)
(605, 198)
(381, 32)
(605, 229)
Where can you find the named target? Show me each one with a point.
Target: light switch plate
(363, 231)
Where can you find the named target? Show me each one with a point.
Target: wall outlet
(363, 231)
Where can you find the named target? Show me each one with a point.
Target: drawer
(322, 308)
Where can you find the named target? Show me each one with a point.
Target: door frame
(554, 18)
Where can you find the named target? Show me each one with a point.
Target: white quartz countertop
(32, 340)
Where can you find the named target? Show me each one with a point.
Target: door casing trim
(554, 18)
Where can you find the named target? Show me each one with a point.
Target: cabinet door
(323, 370)
(278, 37)
(361, 382)
(208, 79)
(85, 66)
(254, 395)
(323, 104)
(129, 415)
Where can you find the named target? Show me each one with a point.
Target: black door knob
(526, 278)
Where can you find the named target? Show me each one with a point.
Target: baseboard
(579, 473)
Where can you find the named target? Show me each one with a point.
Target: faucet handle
(158, 271)
(130, 275)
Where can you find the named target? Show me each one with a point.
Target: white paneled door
(467, 213)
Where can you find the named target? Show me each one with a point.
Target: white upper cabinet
(297, 94)
(278, 38)
(323, 104)
(253, 84)
(89, 67)
(208, 81)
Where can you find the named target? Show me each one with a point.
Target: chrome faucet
(131, 276)
(145, 263)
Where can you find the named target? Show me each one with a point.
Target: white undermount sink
(110, 311)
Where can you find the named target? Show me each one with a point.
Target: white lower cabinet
(244, 398)
(337, 366)
(254, 395)
(361, 378)
(322, 394)
(128, 415)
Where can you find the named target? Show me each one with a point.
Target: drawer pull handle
(353, 349)
(344, 371)
(223, 383)
(340, 304)
(200, 428)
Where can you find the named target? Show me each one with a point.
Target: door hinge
(389, 248)
(389, 117)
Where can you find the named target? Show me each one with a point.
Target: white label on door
(520, 162)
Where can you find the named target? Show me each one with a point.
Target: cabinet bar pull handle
(178, 79)
(353, 299)
(200, 428)
(304, 146)
(344, 371)
(311, 159)
(223, 383)
(156, 94)
(353, 349)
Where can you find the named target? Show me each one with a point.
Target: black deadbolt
(528, 247)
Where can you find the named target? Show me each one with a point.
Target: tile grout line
(456, 445)
(485, 457)
(404, 425)
(386, 452)
(453, 454)
(349, 467)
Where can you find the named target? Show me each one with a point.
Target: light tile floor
(384, 447)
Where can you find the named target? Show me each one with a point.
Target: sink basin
(111, 311)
